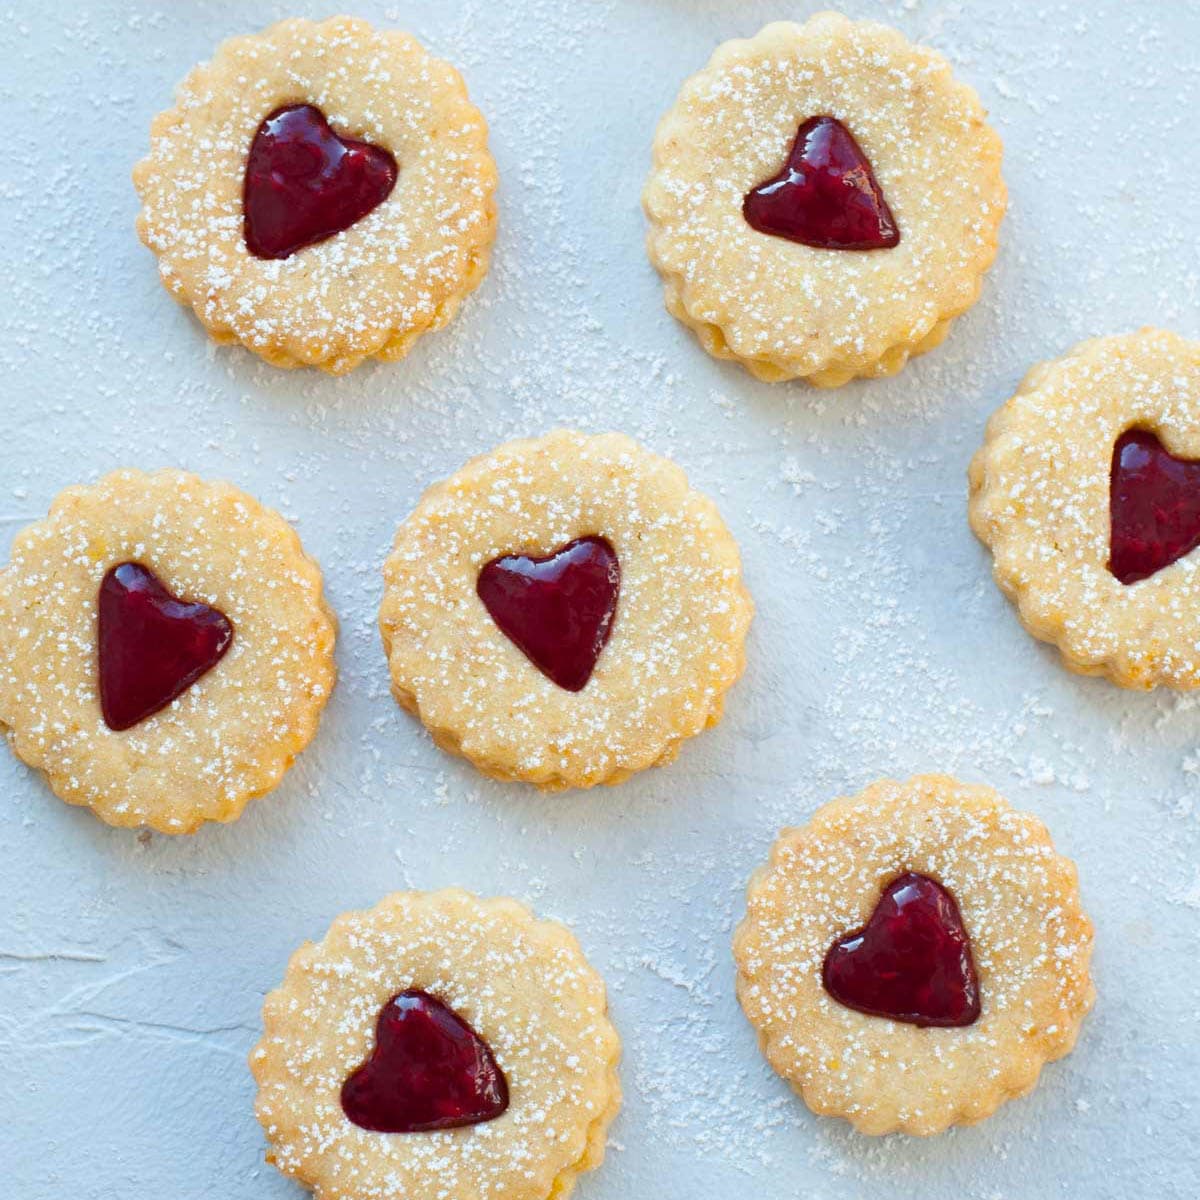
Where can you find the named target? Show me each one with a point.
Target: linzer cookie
(564, 611)
(438, 1047)
(165, 649)
(1087, 492)
(824, 201)
(321, 193)
(913, 956)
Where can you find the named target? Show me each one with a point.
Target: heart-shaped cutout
(429, 1070)
(153, 646)
(1154, 506)
(557, 610)
(304, 183)
(912, 960)
(825, 196)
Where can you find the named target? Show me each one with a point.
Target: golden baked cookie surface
(234, 732)
(786, 310)
(1040, 501)
(398, 272)
(525, 989)
(676, 644)
(1030, 940)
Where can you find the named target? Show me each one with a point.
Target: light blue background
(132, 971)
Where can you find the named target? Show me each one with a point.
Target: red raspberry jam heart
(153, 647)
(303, 183)
(826, 195)
(557, 610)
(911, 961)
(429, 1070)
(1154, 507)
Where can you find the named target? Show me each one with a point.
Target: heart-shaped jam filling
(825, 196)
(911, 961)
(1154, 506)
(429, 1070)
(303, 183)
(153, 646)
(559, 609)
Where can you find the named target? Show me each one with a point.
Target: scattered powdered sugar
(1040, 501)
(1029, 938)
(791, 310)
(676, 641)
(398, 271)
(881, 645)
(523, 987)
(234, 732)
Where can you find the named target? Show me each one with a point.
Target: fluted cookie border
(1039, 501)
(677, 642)
(401, 271)
(522, 984)
(1030, 938)
(787, 311)
(235, 732)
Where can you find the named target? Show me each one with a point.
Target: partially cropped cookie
(322, 192)
(824, 201)
(165, 649)
(1087, 492)
(564, 611)
(913, 956)
(438, 1047)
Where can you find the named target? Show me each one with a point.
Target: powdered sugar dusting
(1029, 938)
(881, 644)
(399, 271)
(234, 732)
(1040, 502)
(523, 986)
(790, 310)
(676, 642)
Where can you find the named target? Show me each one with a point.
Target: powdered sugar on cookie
(677, 638)
(1030, 939)
(400, 271)
(786, 310)
(233, 733)
(1040, 502)
(523, 986)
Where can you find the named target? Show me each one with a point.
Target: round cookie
(1085, 491)
(912, 956)
(824, 200)
(438, 1047)
(322, 192)
(564, 611)
(165, 649)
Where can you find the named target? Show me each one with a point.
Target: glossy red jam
(1154, 507)
(825, 196)
(911, 961)
(429, 1070)
(559, 609)
(303, 183)
(153, 647)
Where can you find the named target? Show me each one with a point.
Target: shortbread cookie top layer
(372, 289)
(789, 310)
(1067, 520)
(162, 551)
(521, 987)
(1029, 940)
(659, 665)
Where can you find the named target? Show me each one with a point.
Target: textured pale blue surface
(131, 973)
